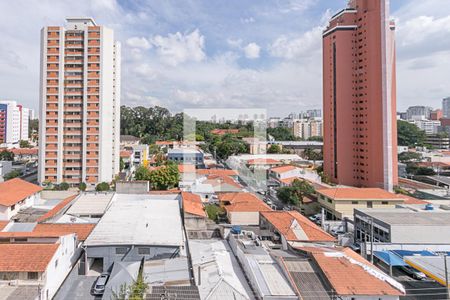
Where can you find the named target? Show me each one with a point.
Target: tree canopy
(294, 194)
(409, 134)
(163, 177)
(6, 155)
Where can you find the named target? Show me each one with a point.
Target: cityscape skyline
(163, 48)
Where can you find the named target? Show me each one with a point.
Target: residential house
(16, 194)
(243, 208)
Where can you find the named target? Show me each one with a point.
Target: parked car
(337, 231)
(99, 287)
(413, 273)
(315, 218)
(355, 247)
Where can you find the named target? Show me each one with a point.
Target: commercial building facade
(446, 107)
(359, 96)
(79, 103)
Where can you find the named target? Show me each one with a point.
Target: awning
(403, 253)
(390, 258)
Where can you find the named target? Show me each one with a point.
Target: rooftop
(171, 272)
(221, 276)
(81, 230)
(359, 193)
(296, 227)
(220, 172)
(263, 161)
(192, 204)
(350, 274)
(88, 204)
(283, 169)
(243, 202)
(140, 220)
(16, 190)
(58, 208)
(26, 257)
(408, 216)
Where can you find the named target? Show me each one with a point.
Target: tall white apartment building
(79, 103)
(14, 120)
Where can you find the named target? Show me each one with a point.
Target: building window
(354, 202)
(144, 251)
(329, 200)
(384, 202)
(13, 207)
(121, 250)
(32, 275)
(56, 263)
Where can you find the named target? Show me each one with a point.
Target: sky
(225, 54)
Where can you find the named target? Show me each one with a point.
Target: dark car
(413, 273)
(99, 287)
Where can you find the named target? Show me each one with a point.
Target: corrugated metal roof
(90, 204)
(139, 220)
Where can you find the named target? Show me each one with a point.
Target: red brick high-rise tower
(359, 96)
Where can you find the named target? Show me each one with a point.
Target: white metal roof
(90, 204)
(139, 220)
(220, 274)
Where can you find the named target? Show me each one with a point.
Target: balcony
(52, 43)
(73, 85)
(94, 43)
(50, 172)
(52, 67)
(72, 140)
(52, 91)
(72, 117)
(73, 109)
(72, 156)
(50, 163)
(73, 61)
(93, 75)
(71, 37)
(53, 28)
(52, 82)
(93, 35)
(53, 51)
(72, 172)
(73, 93)
(74, 53)
(91, 179)
(92, 171)
(72, 148)
(52, 107)
(73, 77)
(72, 165)
(93, 115)
(74, 46)
(93, 83)
(51, 155)
(94, 59)
(74, 69)
(53, 59)
(53, 35)
(52, 123)
(52, 131)
(52, 75)
(93, 51)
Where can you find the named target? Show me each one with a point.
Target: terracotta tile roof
(26, 257)
(243, 202)
(346, 271)
(429, 164)
(16, 190)
(358, 193)
(24, 151)
(3, 224)
(55, 210)
(283, 221)
(216, 180)
(412, 200)
(125, 153)
(163, 143)
(283, 169)
(224, 131)
(263, 161)
(186, 168)
(288, 180)
(192, 204)
(82, 230)
(220, 172)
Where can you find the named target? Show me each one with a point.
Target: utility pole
(371, 240)
(446, 276)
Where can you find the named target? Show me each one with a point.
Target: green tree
(409, 134)
(102, 187)
(274, 149)
(425, 171)
(121, 164)
(142, 173)
(82, 187)
(294, 194)
(316, 138)
(165, 177)
(24, 144)
(6, 155)
(281, 134)
(134, 291)
(407, 157)
(12, 174)
(63, 186)
(311, 154)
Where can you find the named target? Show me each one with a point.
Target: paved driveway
(76, 287)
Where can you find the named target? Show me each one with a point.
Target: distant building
(418, 112)
(359, 96)
(339, 203)
(14, 122)
(305, 129)
(273, 122)
(438, 141)
(446, 107)
(79, 131)
(429, 126)
(314, 113)
(186, 155)
(436, 115)
(242, 208)
(413, 224)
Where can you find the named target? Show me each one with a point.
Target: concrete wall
(243, 218)
(132, 187)
(439, 234)
(192, 222)
(57, 195)
(6, 213)
(108, 253)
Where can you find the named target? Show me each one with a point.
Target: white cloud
(419, 29)
(252, 51)
(138, 42)
(248, 20)
(291, 48)
(178, 48)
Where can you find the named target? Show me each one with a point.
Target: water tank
(429, 207)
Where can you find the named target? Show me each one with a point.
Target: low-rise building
(217, 272)
(42, 265)
(194, 213)
(137, 227)
(418, 224)
(16, 194)
(339, 203)
(5, 168)
(289, 227)
(348, 276)
(243, 208)
(186, 155)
